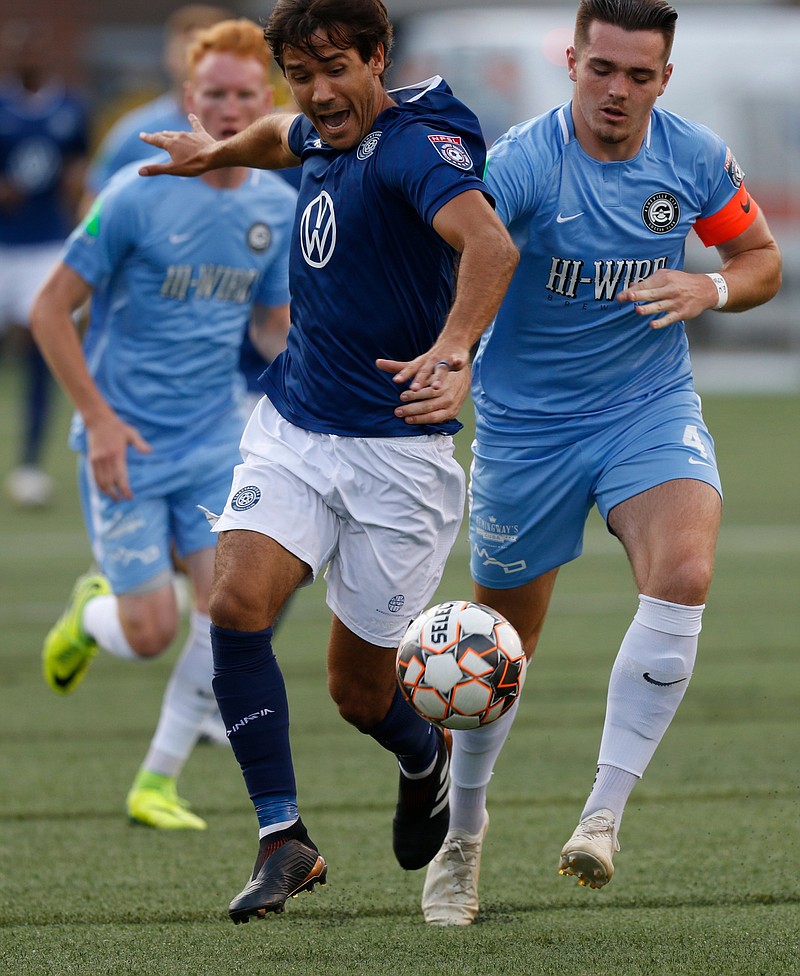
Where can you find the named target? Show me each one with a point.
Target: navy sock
(251, 695)
(37, 396)
(407, 735)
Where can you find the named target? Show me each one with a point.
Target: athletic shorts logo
(318, 231)
(368, 145)
(259, 237)
(396, 603)
(246, 498)
(661, 213)
(452, 150)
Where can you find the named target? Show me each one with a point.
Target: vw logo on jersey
(246, 498)
(318, 231)
(368, 145)
(661, 212)
(259, 237)
(452, 150)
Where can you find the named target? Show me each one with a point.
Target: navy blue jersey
(369, 276)
(39, 135)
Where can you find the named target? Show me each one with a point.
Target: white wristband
(722, 289)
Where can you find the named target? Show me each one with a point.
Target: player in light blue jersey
(177, 270)
(584, 396)
(348, 459)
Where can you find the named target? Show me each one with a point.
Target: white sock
(101, 622)
(475, 753)
(648, 681)
(611, 790)
(187, 702)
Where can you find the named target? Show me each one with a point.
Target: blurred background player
(43, 146)
(175, 271)
(122, 144)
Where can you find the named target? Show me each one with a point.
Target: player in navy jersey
(44, 135)
(348, 458)
(599, 408)
(176, 270)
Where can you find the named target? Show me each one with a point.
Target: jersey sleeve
(106, 234)
(273, 286)
(510, 178)
(734, 218)
(299, 131)
(730, 209)
(428, 167)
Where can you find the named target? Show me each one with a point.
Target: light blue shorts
(132, 540)
(529, 501)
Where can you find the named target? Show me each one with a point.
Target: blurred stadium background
(737, 69)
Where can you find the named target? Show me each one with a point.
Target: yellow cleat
(159, 806)
(68, 649)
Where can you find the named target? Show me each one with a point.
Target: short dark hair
(630, 15)
(362, 24)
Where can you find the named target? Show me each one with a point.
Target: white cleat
(588, 853)
(29, 487)
(450, 895)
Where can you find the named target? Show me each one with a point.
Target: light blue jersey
(176, 267)
(122, 144)
(562, 350)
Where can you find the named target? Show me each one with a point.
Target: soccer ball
(461, 665)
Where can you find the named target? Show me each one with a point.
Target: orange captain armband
(735, 217)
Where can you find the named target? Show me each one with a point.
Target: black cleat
(284, 867)
(422, 815)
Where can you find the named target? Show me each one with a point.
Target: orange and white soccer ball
(461, 665)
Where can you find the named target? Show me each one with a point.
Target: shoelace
(594, 825)
(461, 855)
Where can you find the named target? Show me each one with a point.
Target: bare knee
(362, 707)
(149, 637)
(685, 580)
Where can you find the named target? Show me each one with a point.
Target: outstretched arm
(262, 145)
(488, 259)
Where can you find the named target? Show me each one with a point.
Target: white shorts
(23, 268)
(381, 513)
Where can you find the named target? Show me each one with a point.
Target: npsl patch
(733, 169)
(452, 150)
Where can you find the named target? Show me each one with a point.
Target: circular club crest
(246, 498)
(368, 145)
(661, 213)
(396, 603)
(259, 237)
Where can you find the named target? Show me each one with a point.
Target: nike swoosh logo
(746, 206)
(561, 219)
(67, 680)
(662, 684)
(178, 238)
(695, 461)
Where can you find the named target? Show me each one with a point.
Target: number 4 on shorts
(691, 438)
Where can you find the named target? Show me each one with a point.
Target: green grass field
(708, 881)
